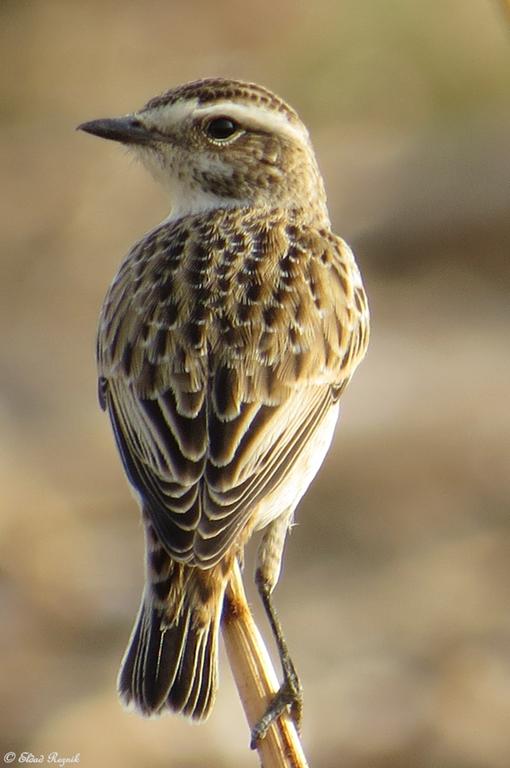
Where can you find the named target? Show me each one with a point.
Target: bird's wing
(221, 351)
(197, 507)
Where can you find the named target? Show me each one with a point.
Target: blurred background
(396, 589)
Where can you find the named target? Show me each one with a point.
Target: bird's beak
(127, 130)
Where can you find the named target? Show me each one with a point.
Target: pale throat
(186, 196)
(186, 200)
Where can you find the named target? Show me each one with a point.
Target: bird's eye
(221, 128)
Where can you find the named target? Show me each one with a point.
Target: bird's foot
(289, 699)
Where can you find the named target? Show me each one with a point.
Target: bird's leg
(289, 697)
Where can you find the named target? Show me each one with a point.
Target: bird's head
(222, 143)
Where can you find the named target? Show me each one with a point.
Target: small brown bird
(224, 344)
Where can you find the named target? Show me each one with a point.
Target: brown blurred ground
(396, 591)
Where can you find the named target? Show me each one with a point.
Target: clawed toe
(288, 699)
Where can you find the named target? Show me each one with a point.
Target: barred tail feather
(170, 667)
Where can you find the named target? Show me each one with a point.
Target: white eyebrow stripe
(171, 114)
(256, 115)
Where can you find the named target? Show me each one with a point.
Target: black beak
(127, 130)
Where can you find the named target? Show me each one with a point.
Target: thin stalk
(256, 680)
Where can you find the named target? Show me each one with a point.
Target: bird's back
(223, 342)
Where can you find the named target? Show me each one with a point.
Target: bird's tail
(172, 658)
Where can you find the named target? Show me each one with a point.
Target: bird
(225, 342)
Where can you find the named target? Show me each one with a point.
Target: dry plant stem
(256, 680)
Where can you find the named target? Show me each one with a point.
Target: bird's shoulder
(262, 292)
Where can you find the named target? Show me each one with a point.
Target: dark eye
(221, 128)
